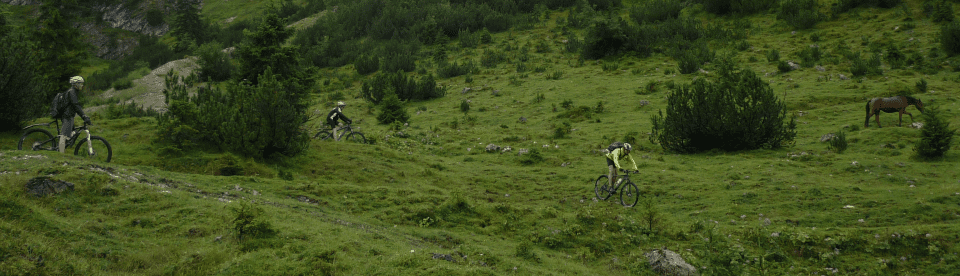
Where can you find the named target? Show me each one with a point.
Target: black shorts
(610, 162)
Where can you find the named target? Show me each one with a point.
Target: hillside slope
(429, 199)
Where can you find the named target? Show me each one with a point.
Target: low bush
(800, 14)
(736, 110)
(406, 88)
(950, 38)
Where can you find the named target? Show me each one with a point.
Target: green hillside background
(426, 198)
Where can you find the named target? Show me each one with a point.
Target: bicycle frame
(72, 139)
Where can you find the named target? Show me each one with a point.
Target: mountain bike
(629, 193)
(347, 130)
(93, 147)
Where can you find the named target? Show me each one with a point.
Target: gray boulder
(666, 262)
(43, 186)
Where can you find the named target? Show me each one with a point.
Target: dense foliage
(259, 115)
(23, 87)
(735, 111)
(405, 87)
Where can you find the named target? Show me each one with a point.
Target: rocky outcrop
(134, 20)
(114, 45)
(43, 186)
(666, 262)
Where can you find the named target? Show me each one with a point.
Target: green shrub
(464, 106)
(921, 86)
(606, 37)
(741, 7)
(124, 83)
(154, 17)
(491, 58)
(810, 56)
(249, 222)
(449, 70)
(784, 67)
(367, 64)
(214, 63)
(800, 14)
(406, 88)
(950, 38)
(122, 110)
(737, 110)
(936, 135)
(25, 92)
(860, 67)
(895, 57)
(843, 6)
(941, 11)
(391, 110)
(839, 143)
(773, 55)
(656, 11)
(532, 157)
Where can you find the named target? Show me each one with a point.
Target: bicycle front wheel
(356, 137)
(629, 194)
(37, 139)
(324, 135)
(98, 149)
(602, 187)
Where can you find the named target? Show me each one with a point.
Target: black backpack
(58, 105)
(615, 145)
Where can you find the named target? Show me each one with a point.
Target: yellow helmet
(76, 80)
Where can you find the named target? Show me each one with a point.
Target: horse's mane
(911, 100)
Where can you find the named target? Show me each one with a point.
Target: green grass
(392, 207)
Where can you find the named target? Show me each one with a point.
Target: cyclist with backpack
(619, 152)
(65, 107)
(337, 114)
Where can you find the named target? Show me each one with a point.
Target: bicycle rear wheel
(100, 150)
(37, 139)
(324, 135)
(602, 188)
(356, 137)
(629, 194)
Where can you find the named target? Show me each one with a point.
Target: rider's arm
(76, 105)
(632, 163)
(345, 119)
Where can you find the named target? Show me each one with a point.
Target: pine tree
(187, 26)
(935, 136)
(391, 109)
(62, 53)
(23, 87)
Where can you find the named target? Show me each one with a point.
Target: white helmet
(627, 146)
(340, 103)
(76, 80)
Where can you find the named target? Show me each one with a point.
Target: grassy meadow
(427, 199)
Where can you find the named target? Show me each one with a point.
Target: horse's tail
(866, 122)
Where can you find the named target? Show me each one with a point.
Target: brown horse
(891, 105)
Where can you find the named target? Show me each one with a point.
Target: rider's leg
(612, 172)
(65, 131)
(335, 130)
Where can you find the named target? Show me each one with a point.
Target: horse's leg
(900, 123)
(866, 122)
(877, 117)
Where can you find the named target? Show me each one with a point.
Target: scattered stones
(446, 257)
(522, 152)
(827, 137)
(523, 119)
(492, 148)
(917, 125)
(43, 186)
(506, 149)
(842, 77)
